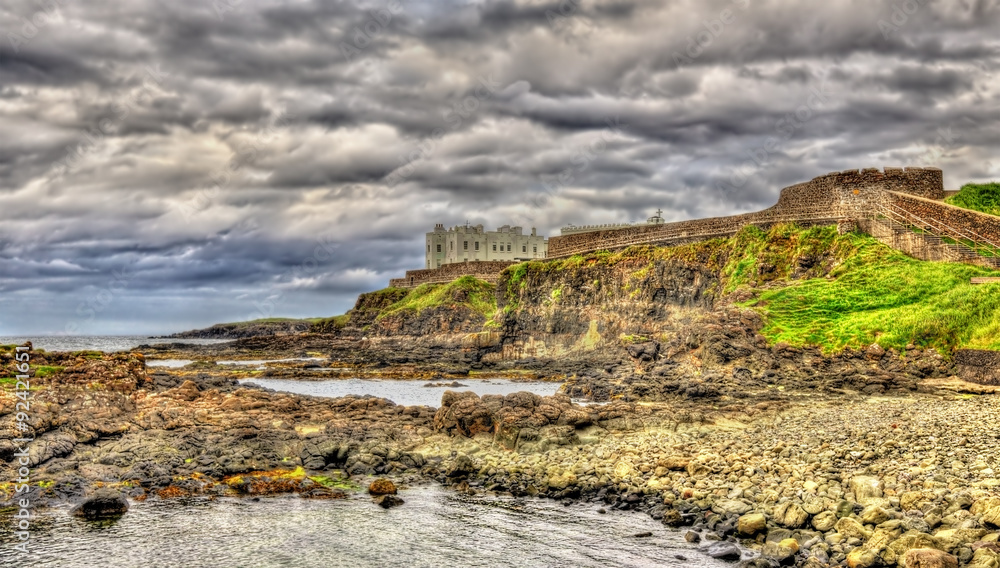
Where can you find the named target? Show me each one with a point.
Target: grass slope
(879, 295)
(478, 295)
(982, 197)
(815, 287)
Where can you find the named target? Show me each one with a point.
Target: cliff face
(791, 306)
(459, 307)
(558, 309)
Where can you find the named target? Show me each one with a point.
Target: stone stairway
(926, 240)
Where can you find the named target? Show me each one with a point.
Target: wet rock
(462, 465)
(382, 486)
(722, 550)
(388, 501)
(105, 503)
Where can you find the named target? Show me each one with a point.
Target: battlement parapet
(825, 199)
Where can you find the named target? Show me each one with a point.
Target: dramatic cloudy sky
(166, 165)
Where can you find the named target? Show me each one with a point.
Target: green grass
(881, 295)
(816, 287)
(982, 197)
(335, 483)
(467, 290)
(88, 354)
(43, 371)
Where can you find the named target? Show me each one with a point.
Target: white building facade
(469, 243)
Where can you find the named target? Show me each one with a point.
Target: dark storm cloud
(219, 160)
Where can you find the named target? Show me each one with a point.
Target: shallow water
(434, 528)
(107, 343)
(168, 363)
(263, 362)
(406, 393)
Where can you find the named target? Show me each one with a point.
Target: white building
(462, 243)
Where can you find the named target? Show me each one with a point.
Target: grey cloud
(262, 142)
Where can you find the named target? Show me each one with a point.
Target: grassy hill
(982, 197)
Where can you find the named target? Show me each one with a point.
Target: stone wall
(825, 199)
(917, 245)
(978, 366)
(965, 220)
(488, 270)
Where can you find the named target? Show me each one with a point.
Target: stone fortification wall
(825, 199)
(938, 213)
(922, 246)
(488, 270)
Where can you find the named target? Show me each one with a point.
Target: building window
(477, 245)
(451, 246)
(508, 247)
(465, 245)
(428, 248)
(534, 250)
(524, 248)
(439, 248)
(494, 247)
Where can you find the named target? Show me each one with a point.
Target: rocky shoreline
(806, 473)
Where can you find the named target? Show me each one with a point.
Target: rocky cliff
(240, 330)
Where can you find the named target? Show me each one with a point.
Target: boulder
(992, 516)
(790, 515)
(824, 521)
(984, 558)
(874, 515)
(463, 465)
(783, 551)
(722, 550)
(105, 503)
(929, 558)
(382, 486)
(731, 507)
(751, 524)
(388, 501)
(849, 528)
